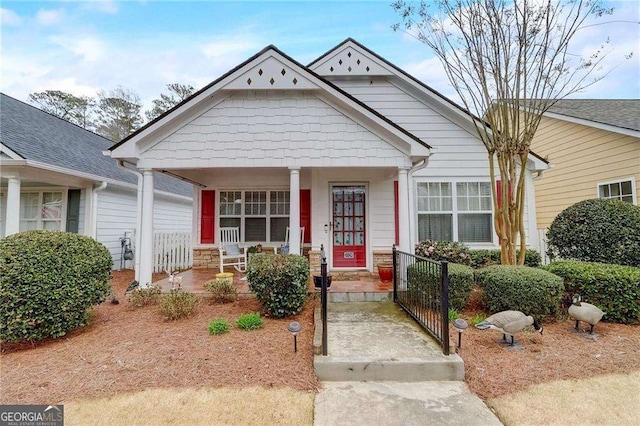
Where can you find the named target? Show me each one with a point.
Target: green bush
(606, 231)
(460, 282)
(177, 304)
(454, 251)
(534, 291)
(144, 296)
(484, 258)
(48, 282)
(250, 321)
(218, 326)
(280, 283)
(613, 288)
(222, 290)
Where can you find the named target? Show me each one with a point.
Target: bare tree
(177, 93)
(511, 61)
(76, 109)
(118, 113)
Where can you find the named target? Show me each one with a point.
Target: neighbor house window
(41, 210)
(622, 190)
(460, 211)
(262, 216)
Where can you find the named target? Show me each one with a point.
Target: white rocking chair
(286, 240)
(231, 254)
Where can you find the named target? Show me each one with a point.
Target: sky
(85, 46)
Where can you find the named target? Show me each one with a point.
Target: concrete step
(377, 341)
(362, 296)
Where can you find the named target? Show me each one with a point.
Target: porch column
(13, 207)
(294, 210)
(403, 210)
(146, 232)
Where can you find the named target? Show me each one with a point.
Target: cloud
(9, 17)
(88, 47)
(108, 7)
(49, 17)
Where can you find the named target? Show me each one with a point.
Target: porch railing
(172, 251)
(421, 288)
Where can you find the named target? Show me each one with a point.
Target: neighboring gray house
(54, 176)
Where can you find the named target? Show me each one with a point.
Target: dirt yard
(129, 350)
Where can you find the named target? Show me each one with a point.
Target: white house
(55, 176)
(352, 148)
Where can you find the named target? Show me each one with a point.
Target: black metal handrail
(421, 288)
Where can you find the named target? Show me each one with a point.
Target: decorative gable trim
(271, 74)
(346, 60)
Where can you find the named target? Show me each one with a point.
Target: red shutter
(395, 212)
(305, 213)
(208, 217)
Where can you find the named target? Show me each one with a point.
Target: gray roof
(36, 135)
(624, 113)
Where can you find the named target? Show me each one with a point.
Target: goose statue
(582, 311)
(509, 323)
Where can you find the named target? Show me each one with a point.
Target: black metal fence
(421, 288)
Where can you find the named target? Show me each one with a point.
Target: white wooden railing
(542, 239)
(172, 251)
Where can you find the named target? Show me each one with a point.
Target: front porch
(344, 284)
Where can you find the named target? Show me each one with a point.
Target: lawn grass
(207, 406)
(605, 400)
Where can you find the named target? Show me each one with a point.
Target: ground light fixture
(460, 325)
(294, 328)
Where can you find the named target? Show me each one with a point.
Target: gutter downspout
(419, 165)
(138, 219)
(94, 208)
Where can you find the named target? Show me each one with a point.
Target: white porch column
(403, 210)
(13, 207)
(146, 234)
(294, 210)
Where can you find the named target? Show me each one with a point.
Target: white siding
(3, 212)
(117, 215)
(81, 213)
(273, 129)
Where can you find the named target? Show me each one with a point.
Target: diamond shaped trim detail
(349, 54)
(331, 69)
(260, 72)
(358, 62)
(249, 81)
(272, 81)
(283, 72)
(367, 69)
(295, 81)
(340, 61)
(349, 69)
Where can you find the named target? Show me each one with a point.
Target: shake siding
(582, 157)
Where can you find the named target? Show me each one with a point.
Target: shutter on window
(396, 219)
(73, 210)
(208, 217)
(305, 213)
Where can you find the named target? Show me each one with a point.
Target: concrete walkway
(383, 369)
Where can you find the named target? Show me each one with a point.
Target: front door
(349, 233)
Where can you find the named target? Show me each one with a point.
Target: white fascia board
(9, 152)
(595, 124)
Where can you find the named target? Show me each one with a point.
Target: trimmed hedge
(606, 231)
(280, 283)
(484, 258)
(534, 291)
(48, 282)
(460, 282)
(613, 288)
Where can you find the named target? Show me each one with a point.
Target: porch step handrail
(421, 288)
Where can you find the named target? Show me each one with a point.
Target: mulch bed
(126, 350)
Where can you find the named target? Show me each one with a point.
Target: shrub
(484, 258)
(454, 251)
(613, 288)
(460, 282)
(48, 282)
(250, 321)
(606, 231)
(280, 283)
(478, 319)
(533, 291)
(222, 290)
(144, 296)
(218, 326)
(178, 304)
(453, 314)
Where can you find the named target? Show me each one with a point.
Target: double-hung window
(41, 210)
(455, 211)
(262, 216)
(621, 190)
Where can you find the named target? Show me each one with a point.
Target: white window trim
(628, 179)
(39, 191)
(454, 206)
(243, 216)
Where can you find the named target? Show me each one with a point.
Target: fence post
(445, 307)
(323, 295)
(395, 274)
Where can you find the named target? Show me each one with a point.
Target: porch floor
(193, 281)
